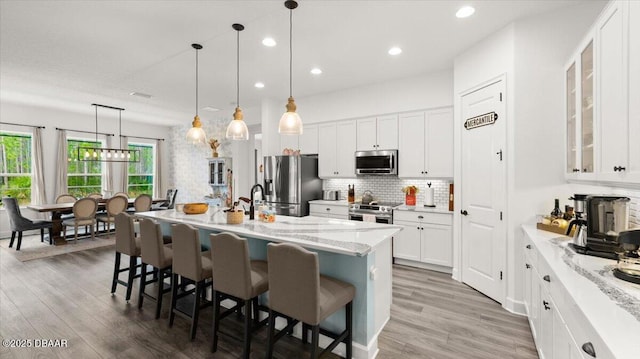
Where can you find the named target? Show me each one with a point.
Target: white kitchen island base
(355, 252)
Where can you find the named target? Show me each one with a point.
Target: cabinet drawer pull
(588, 348)
(328, 209)
(528, 246)
(619, 169)
(547, 278)
(420, 217)
(576, 170)
(527, 265)
(546, 305)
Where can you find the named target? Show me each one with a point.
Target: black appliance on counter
(607, 216)
(382, 211)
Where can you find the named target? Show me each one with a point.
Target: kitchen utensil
(351, 193)
(628, 267)
(579, 204)
(331, 195)
(367, 197)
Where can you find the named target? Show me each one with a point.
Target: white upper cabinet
(612, 93)
(336, 149)
(377, 133)
(602, 92)
(426, 144)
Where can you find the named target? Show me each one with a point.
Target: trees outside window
(141, 173)
(15, 166)
(83, 177)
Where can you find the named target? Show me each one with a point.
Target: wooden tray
(549, 228)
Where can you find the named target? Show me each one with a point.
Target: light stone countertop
(611, 305)
(334, 203)
(320, 233)
(421, 208)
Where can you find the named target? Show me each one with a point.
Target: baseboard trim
(515, 306)
(433, 267)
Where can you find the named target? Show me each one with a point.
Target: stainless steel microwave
(382, 162)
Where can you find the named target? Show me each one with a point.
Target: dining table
(58, 209)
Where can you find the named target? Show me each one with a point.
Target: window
(15, 166)
(83, 177)
(141, 173)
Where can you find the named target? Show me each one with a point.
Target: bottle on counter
(568, 213)
(556, 213)
(351, 196)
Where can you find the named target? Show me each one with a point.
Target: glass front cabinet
(579, 82)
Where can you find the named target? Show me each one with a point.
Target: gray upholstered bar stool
(298, 291)
(236, 277)
(155, 253)
(126, 243)
(191, 264)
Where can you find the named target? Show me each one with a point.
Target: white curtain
(124, 144)
(157, 176)
(62, 160)
(38, 193)
(107, 173)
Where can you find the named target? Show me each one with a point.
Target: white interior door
(483, 191)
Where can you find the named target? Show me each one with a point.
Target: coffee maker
(580, 222)
(607, 216)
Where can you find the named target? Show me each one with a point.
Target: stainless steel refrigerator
(290, 182)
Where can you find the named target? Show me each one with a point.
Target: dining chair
(19, 223)
(84, 214)
(154, 252)
(66, 198)
(298, 291)
(114, 206)
(128, 244)
(189, 263)
(123, 194)
(142, 203)
(236, 277)
(96, 196)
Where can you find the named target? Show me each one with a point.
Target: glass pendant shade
(290, 122)
(196, 134)
(237, 129)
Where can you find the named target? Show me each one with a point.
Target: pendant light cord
(196, 82)
(96, 107)
(120, 129)
(238, 70)
(290, 52)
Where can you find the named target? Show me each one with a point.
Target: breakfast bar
(355, 252)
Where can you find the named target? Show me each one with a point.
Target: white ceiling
(74, 53)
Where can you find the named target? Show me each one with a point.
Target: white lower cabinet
(426, 239)
(559, 329)
(329, 210)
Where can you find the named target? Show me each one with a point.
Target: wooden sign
(482, 120)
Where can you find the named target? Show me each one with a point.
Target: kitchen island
(352, 251)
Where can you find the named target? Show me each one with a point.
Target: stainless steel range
(382, 212)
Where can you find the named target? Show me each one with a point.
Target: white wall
(532, 54)
(57, 117)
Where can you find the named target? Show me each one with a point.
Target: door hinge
(500, 96)
(500, 275)
(501, 215)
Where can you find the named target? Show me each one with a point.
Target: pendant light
(101, 154)
(196, 134)
(290, 122)
(237, 129)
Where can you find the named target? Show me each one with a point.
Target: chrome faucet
(251, 207)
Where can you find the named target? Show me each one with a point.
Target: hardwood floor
(67, 297)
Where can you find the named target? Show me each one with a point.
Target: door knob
(528, 246)
(588, 348)
(527, 266)
(464, 212)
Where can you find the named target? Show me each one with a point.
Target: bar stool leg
(174, 298)
(349, 325)
(132, 273)
(216, 320)
(247, 328)
(19, 241)
(196, 310)
(315, 336)
(256, 311)
(13, 238)
(272, 323)
(160, 292)
(116, 270)
(143, 284)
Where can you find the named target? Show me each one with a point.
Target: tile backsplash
(389, 188)
(634, 212)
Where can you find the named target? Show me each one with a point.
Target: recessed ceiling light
(140, 94)
(395, 51)
(316, 71)
(269, 41)
(465, 11)
(210, 108)
(259, 85)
